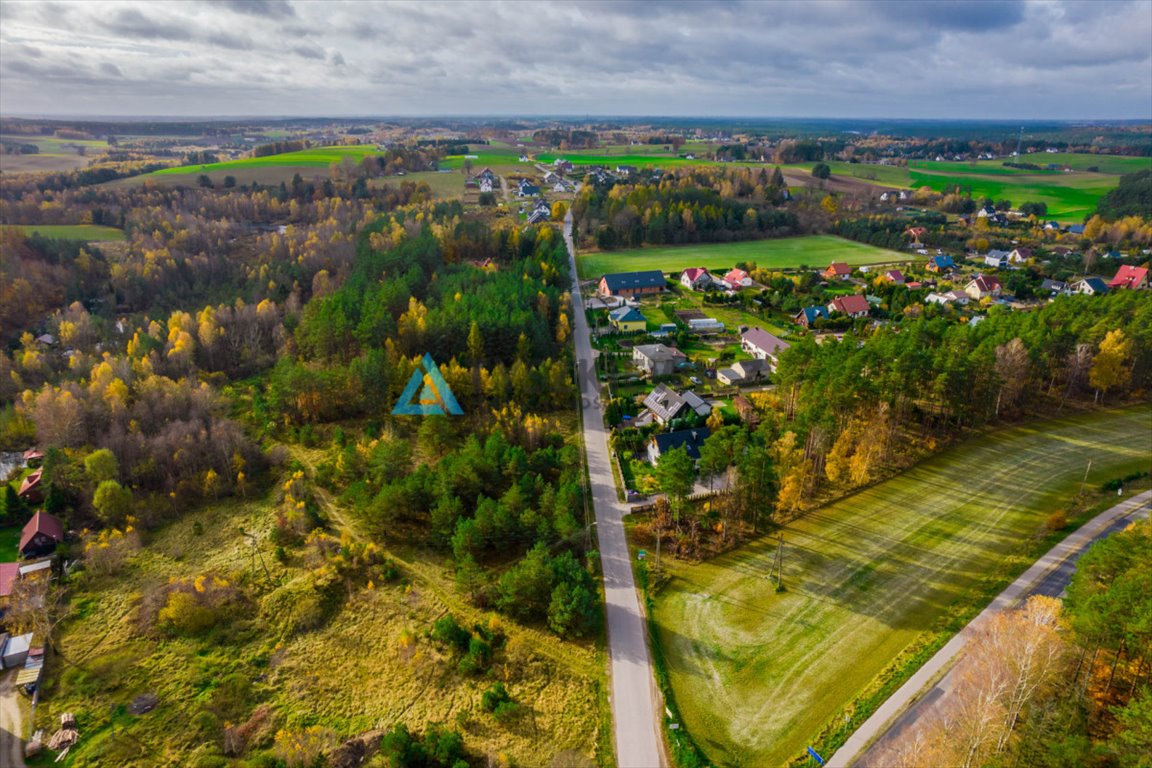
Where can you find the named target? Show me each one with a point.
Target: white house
(763, 345)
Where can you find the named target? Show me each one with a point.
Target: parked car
(694, 379)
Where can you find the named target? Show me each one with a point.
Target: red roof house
(837, 270)
(1132, 278)
(894, 276)
(737, 278)
(30, 489)
(41, 535)
(853, 306)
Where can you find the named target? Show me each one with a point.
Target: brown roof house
(41, 535)
(31, 489)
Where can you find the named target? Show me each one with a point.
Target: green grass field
(86, 232)
(1069, 196)
(309, 158)
(10, 543)
(785, 253)
(756, 674)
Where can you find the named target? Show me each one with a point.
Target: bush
(494, 697)
(478, 658)
(1057, 521)
(449, 632)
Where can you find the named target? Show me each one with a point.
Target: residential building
(942, 263)
(853, 305)
(807, 316)
(633, 283)
(665, 404)
(1053, 287)
(763, 345)
(696, 279)
(657, 359)
(983, 286)
(1090, 286)
(689, 439)
(894, 276)
(996, 259)
(40, 536)
(744, 372)
(737, 279)
(627, 320)
(1020, 255)
(1131, 278)
(837, 270)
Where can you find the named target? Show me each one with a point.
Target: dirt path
(11, 723)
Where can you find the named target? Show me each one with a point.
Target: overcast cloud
(1014, 59)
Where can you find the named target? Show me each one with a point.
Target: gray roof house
(763, 345)
(657, 359)
(666, 405)
(743, 372)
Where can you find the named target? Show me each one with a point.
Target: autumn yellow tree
(1110, 367)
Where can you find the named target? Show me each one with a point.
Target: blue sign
(427, 394)
(815, 756)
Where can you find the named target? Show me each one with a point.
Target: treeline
(566, 139)
(930, 379)
(280, 147)
(699, 206)
(1132, 197)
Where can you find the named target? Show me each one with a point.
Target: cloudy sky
(843, 58)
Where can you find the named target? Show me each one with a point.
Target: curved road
(1049, 575)
(635, 711)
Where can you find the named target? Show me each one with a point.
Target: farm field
(367, 667)
(1070, 197)
(86, 232)
(784, 253)
(320, 157)
(756, 675)
(443, 185)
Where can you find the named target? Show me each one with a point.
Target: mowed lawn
(785, 253)
(85, 232)
(756, 674)
(308, 158)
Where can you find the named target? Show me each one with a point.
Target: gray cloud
(914, 58)
(269, 9)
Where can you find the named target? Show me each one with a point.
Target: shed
(16, 651)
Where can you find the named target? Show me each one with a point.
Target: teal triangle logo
(427, 394)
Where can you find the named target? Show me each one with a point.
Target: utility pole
(778, 561)
(657, 547)
(1085, 480)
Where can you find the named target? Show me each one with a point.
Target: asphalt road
(635, 711)
(1049, 575)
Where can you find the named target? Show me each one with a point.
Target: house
(665, 404)
(625, 170)
(524, 157)
(1090, 286)
(745, 410)
(696, 279)
(996, 259)
(854, 305)
(527, 189)
(737, 279)
(1020, 255)
(1053, 287)
(487, 175)
(959, 297)
(983, 286)
(949, 297)
(744, 372)
(916, 233)
(1052, 226)
(627, 320)
(689, 439)
(985, 212)
(837, 270)
(763, 345)
(41, 535)
(1132, 278)
(539, 217)
(893, 276)
(915, 285)
(809, 315)
(632, 283)
(657, 359)
(1076, 229)
(485, 185)
(30, 488)
(941, 264)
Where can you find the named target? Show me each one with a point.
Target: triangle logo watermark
(427, 394)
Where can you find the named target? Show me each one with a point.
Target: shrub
(449, 632)
(1057, 521)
